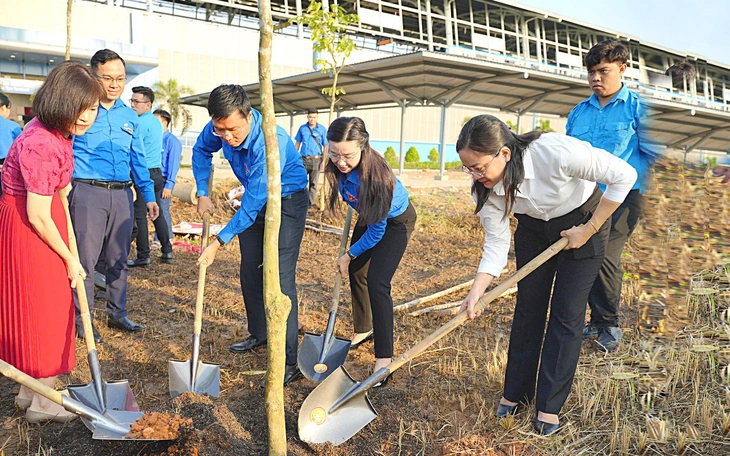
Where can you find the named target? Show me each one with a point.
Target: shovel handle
(343, 246)
(201, 276)
(29, 382)
(80, 286)
(493, 294)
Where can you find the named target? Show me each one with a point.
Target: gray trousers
(103, 221)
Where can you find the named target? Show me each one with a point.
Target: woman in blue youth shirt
(385, 222)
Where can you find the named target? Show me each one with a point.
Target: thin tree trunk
(68, 28)
(276, 303)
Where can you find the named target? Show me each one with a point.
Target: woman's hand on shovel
(481, 282)
(208, 255)
(74, 270)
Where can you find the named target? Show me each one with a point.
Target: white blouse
(567, 172)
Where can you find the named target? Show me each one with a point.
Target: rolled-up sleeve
(496, 240)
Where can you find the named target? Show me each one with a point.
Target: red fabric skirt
(37, 317)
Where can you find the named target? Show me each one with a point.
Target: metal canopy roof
(430, 78)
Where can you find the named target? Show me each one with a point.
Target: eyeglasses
(133, 101)
(479, 174)
(230, 133)
(336, 158)
(108, 79)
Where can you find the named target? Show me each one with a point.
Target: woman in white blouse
(548, 181)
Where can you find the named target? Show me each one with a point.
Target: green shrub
(390, 155)
(433, 156)
(412, 155)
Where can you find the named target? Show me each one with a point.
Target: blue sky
(698, 27)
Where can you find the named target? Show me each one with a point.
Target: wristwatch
(352, 257)
(220, 241)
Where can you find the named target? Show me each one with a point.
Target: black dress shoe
(291, 373)
(247, 345)
(166, 258)
(544, 428)
(125, 324)
(139, 262)
(503, 410)
(80, 333)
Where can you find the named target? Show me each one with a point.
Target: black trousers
(606, 292)
(312, 165)
(372, 305)
(557, 350)
(140, 232)
(251, 241)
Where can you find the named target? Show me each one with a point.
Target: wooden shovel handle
(487, 298)
(29, 382)
(343, 246)
(198, 325)
(80, 286)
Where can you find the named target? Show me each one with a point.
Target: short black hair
(611, 50)
(5, 101)
(164, 114)
(103, 56)
(226, 99)
(146, 91)
(312, 111)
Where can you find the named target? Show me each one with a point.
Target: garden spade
(98, 395)
(194, 375)
(107, 425)
(320, 355)
(339, 407)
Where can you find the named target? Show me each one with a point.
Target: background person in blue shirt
(9, 130)
(236, 127)
(101, 200)
(311, 141)
(385, 221)
(150, 130)
(613, 119)
(171, 153)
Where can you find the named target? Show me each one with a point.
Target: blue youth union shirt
(616, 128)
(313, 141)
(9, 130)
(151, 133)
(248, 162)
(111, 147)
(350, 190)
(171, 153)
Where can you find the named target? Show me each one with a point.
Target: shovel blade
(317, 425)
(116, 426)
(310, 353)
(207, 381)
(117, 396)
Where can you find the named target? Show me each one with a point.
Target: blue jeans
(165, 211)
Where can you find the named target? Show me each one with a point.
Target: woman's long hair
(486, 135)
(377, 180)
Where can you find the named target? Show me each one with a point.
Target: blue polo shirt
(111, 147)
(313, 141)
(171, 153)
(617, 128)
(9, 130)
(151, 132)
(248, 162)
(350, 190)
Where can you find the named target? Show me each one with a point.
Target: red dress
(37, 321)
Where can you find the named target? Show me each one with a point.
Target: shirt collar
(622, 94)
(254, 132)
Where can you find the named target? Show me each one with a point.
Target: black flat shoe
(166, 258)
(503, 410)
(80, 333)
(363, 340)
(247, 345)
(544, 428)
(139, 262)
(125, 324)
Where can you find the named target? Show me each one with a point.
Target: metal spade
(339, 407)
(194, 375)
(320, 355)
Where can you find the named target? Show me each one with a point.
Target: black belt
(106, 185)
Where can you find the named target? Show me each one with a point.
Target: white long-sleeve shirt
(560, 175)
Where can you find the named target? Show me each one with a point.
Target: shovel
(320, 355)
(194, 375)
(339, 407)
(109, 425)
(97, 395)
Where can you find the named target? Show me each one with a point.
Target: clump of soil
(158, 426)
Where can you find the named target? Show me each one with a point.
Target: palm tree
(169, 94)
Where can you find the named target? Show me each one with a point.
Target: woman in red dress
(37, 270)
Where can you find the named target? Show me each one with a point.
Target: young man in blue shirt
(151, 133)
(171, 153)
(311, 142)
(613, 119)
(101, 200)
(9, 130)
(236, 128)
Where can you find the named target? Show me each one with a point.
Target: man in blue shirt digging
(613, 119)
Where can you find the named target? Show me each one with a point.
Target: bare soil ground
(657, 394)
